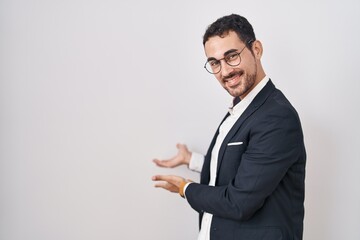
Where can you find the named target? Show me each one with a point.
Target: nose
(226, 69)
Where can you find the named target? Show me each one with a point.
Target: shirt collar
(244, 103)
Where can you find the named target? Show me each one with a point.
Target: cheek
(218, 77)
(250, 66)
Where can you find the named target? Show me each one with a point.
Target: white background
(91, 91)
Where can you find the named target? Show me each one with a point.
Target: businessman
(252, 176)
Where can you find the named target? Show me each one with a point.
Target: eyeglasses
(233, 59)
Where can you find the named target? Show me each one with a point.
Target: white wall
(91, 91)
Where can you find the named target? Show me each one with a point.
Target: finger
(167, 186)
(164, 163)
(166, 178)
(181, 146)
(164, 185)
(160, 178)
(170, 163)
(172, 179)
(159, 162)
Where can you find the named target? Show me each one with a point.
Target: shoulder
(278, 105)
(275, 113)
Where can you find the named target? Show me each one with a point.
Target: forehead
(216, 46)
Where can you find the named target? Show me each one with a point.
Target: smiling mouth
(233, 79)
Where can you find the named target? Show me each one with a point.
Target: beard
(245, 85)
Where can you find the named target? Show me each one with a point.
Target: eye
(214, 63)
(232, 56)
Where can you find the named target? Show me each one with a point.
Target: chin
(235, 92)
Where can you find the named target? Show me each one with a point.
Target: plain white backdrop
(92, 91)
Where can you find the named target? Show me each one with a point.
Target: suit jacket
(259, 189)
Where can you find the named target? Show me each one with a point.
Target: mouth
(233, 79)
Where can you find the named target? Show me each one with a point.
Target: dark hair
(233, 22)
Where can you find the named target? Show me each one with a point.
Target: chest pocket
(230, 163)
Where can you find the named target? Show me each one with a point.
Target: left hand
(183, 156)
(171, 183)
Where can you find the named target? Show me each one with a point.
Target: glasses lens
(213, 67)
(233, 59)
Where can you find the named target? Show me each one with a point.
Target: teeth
(232, 81)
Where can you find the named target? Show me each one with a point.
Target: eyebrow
(230, 51)
(225, 54)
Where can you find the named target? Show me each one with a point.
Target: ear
(257, 49)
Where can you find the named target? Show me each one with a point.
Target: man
(252, 177)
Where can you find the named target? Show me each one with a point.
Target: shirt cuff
(196, 162)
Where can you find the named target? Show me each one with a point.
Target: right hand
(182, 157)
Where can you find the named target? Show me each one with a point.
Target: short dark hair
(233, 22)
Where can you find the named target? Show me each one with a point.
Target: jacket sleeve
(275, 144)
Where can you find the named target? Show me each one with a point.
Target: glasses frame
(224, 58)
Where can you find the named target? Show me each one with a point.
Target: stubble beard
(244, 85)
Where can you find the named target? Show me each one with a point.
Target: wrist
(188, 158)
(181, 188)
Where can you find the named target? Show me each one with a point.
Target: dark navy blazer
(259, 190)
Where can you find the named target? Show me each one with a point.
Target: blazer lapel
(254, 105)
(205, 172)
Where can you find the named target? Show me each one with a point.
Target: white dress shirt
(197, 160)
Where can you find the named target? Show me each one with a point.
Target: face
(237, 80)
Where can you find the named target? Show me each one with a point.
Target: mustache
(233, 74)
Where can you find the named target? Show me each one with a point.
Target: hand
(171, 183)
(182, 157)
